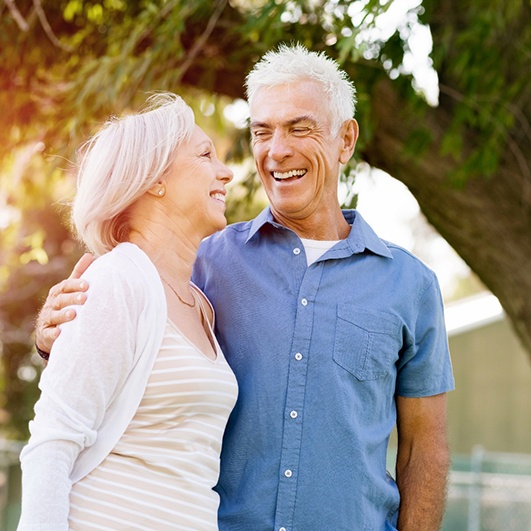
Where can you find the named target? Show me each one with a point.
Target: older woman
(128, 428)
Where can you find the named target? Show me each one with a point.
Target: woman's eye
(207, 154)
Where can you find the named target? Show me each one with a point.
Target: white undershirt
(316, 248)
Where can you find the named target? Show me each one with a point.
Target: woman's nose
(225, 174)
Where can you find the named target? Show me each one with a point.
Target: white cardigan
(91, 389)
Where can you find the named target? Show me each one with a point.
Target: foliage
(485, 56)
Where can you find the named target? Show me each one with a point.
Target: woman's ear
(349, 135)
(159, 189)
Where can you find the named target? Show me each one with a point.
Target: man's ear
(349, 136)
(159, 189)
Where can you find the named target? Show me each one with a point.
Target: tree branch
(201, 41)
(160, 15)
(15, 13)
(47, 28)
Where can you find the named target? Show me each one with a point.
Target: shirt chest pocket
(367, 342)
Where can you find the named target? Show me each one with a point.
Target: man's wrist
(44, 355)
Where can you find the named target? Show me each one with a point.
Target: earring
(161, 192)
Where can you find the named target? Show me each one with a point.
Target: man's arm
(68, 292)
(422, 462)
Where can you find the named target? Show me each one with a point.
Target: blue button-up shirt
(319, 353)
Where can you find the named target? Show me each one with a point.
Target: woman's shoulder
(125, 258)
(126, 267)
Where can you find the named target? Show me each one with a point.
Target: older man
(334, 335)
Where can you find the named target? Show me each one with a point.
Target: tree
(467, 160)
(472, 178)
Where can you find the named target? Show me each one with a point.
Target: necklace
(191, 305)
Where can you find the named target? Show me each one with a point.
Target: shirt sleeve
(425, 368)
(88, 365)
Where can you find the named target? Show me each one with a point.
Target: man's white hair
(292, 63)
(121, 162)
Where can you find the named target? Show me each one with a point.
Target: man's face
(296, 156)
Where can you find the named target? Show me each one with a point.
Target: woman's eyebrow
(206, 144)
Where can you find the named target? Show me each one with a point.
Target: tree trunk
(487, 220)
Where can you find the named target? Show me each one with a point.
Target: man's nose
(279, 146)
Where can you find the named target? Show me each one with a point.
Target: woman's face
(196, 183)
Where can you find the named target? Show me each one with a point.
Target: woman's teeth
(218, 196)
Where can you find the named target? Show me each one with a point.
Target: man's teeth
(288, 174)
(219, 196)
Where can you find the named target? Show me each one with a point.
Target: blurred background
(442, 167)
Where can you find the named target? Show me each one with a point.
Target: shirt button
(296, 251)
(304, 302)
(293, 414)
(298, 356)
(288, 473)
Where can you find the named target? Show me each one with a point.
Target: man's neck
(331, 227)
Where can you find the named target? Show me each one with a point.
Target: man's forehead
(296, 86)
(288, 102)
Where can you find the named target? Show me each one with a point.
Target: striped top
(161, 472)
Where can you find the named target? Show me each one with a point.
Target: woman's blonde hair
(121, 162)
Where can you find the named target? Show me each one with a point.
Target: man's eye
(257, 134)
(207, 154)
(300, 130)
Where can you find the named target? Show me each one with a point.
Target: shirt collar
(361, 236)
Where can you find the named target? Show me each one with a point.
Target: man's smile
(282, 176)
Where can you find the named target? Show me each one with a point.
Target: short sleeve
(424, 368)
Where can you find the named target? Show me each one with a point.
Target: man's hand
(66, 293)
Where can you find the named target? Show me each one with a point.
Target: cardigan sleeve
(89, 364)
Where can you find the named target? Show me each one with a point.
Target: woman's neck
(172, 253)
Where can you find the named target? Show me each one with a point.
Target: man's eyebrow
(299, 119)
(255, 125)
(288, 123)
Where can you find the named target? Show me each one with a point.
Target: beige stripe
(161, 473)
